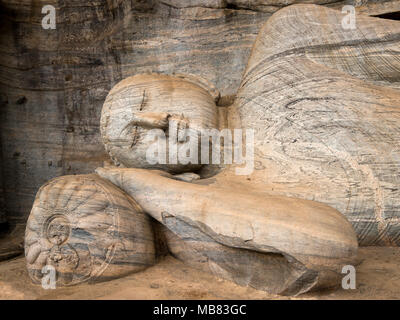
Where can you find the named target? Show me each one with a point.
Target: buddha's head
(141, 109)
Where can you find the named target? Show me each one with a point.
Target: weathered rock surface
(324, 104)
(53, 82)
(88, 230)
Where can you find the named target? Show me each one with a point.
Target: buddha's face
(141, 106)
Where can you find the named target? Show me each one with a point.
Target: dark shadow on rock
(11, 241)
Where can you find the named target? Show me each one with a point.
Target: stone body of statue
(323, 103)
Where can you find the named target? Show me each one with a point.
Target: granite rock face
(53, 82)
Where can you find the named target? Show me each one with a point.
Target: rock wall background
(53, 82)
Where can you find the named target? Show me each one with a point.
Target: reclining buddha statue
(319, 103)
